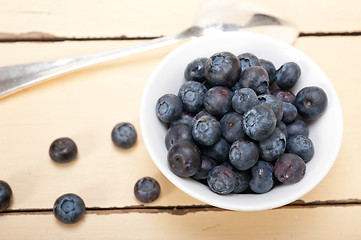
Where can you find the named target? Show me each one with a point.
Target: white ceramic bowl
(325, 132)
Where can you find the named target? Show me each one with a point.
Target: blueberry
(195, 70)
(272, 102)
(207, 164)
(124, 135)
(218, 151)
(69, 208)
(248, 60)
(178, 133)
(221, 180)
(185, 118)
(5, 195)
(289, 168)
(289, 112)
(218, 101)
(283, 127)
(243, 154)
(311, 102)
(243, 99)
(231, 125)
(259, 122)
(255, 78)
(222, 69)
(147, 189)
(242, 181)
(272, 147)
(199, 115)
(206, 130)
(271, 70)
(192, 94)
(169, 107)
(298, 127)
(301, 146)
(287, 75)
(184, 159)
(284, 95)
(262, 177)
(63, 150)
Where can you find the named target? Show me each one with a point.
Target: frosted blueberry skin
(262, 177)
(218, 101)
(271, 70)
(290, 112)
(218, 151)
(147, 189)
(124, 135)
(222, 69)
(311, 102)
(69, 208)
(184, 159)
(168, 108)
(287, 75)
(221, 180)
(63, 150)
(289, 168)
(298, 127)
(192, 94)
(272, 102)
(6, 194)
(231, 125)
(243, 154)
(272, 147)
(206, 130)
(284, 95)
(195, 70)
(248, 60)
(178, 133)
(243, 99)
(255, 78)
(301, 146)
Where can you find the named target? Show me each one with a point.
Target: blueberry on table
(178, 133)
(206, 130)
(222, 69)
(271, 70)
(5, 195)
(259, 122)
(184, 159)
(255, 78)
(262, 177)
(284, 95)
(231, 125)
(289, 168)
(311, 102)
(289, 112)
(287, 75)
(243, 154)
(301, 146)
(207, 164)
(195, 70)
(218, 151)
(147, 189)
(124, 135)
(272, 147)
(168, 108)
(63, 150)
(248, 60)
(243, 99)
(272, 102)
(221, 180)
(192, 94)
(69, 208)
(218, 101)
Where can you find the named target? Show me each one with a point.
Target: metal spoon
(212, 17)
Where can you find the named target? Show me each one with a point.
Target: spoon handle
(16, 77)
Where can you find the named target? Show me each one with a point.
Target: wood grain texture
(153, 18)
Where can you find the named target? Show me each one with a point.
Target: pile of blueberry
(236, 126)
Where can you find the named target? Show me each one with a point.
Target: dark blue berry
(243, 99)
(231, 125)
(242, 181)
(298, 127)
(147, 189)
(255, 78)
(218, 151)
(5, 195)
(184, 159)
(301, 146)
(271, 70)
(289, 168)
(206, 130)
(178, 133)
(192, 94)
(243, 154)
(221, 180)
(262, 177)
(207, 164)
(169, 107)
(272, 147)
(311, 102)
(63, 150)
(185, 118)
(222, 69)
(284, 95)
(218, 101)
(272, 102)
(195, 70)
(69, 208)
(124, 135)
(248, 60)
(289, 112)
(287, 75)
(259, 122)
(283, 127)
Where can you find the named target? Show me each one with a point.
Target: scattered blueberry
(289, 112)
(178, 133)
(69, 208)
(221, 180)
(271, 70)
(218, 101)
(5, 195)
(311, 102)
(195, 70)
(218, 151)
(231, 125)
(207, 164)
(243, 99)
(262, 177)
(255, 78)
(272, 147)
(298, 127)
(63, 150)
(301, 146)
(272, 102)
(124, 135)
(206, 130)
(147, 189)
(243, 154)
(289, 168)
(284, 95)
(169, 107)
(287, 75)
(192, 94)
(248, 60)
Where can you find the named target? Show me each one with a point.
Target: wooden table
(85, 105)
